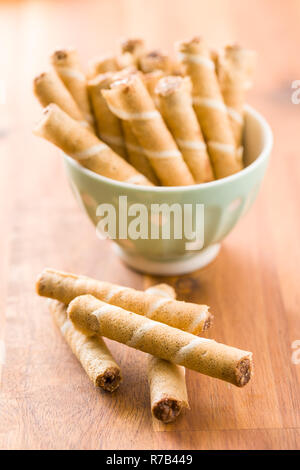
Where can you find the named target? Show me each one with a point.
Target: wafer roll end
(43, 123)
(66, 57)
(110, 380)
(167, 409)
(244, 371)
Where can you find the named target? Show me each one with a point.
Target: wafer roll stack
(184, 315)
(210, 108)
(80, 144)
(235, 69)
(129, 100)
(49, 88)
(91, 351)
(136, 155)
(67, 65)
(168, 393)
(175, 104)
(91, 316)
(109, 127)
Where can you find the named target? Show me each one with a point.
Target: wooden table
(46, 400)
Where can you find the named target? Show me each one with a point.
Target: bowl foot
(169, 268)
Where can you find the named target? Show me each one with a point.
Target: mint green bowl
(224, 200)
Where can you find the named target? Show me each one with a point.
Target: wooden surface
(46, 400)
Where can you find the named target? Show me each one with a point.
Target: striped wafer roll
(92, 352)
(134, 46)
(168, 393)
(65, 287)
(210, 108)
(80, 144)
(156, 60)
(109, 127)
(136, 155)
(129, 100)
(92, 316)
(176, 107)
(235, 68)
(67, 65)
(151, 80)
(49, 88)
(110, 63)
(163, 290)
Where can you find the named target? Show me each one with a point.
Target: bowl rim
(267, 147)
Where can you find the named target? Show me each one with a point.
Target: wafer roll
(110, 63)
(49, 88)
(92, 352)
(80, 144)
(67, 65)
(175, 104)
(109, 127)
(156, 60)
(136, 155)
(151, 80)
(129, 100)
(203, 355)
(210, 108)
(136, 47)
(163, 290)
(168, 393)
(65, 287)
(235, 69)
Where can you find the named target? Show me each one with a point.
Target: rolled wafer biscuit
(151, 80)
(49, 88)
(65, 287)
(136, 155)
(130, 101)
(156, 60)
(91, 316)
(110, 63)
(109, 127)
(134, 46)
(67, 65)
(92, 352)
(80, 144)
(168, 393)
(210, 108)
(175, 105)
(163, 290)
(235, 68)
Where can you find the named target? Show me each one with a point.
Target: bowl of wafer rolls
(143, 128)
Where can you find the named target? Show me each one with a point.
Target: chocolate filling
(167, 410)
(208, 323)
(60, 55)
(243, 372)
(110, 380)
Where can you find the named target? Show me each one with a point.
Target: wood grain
(46, 400)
